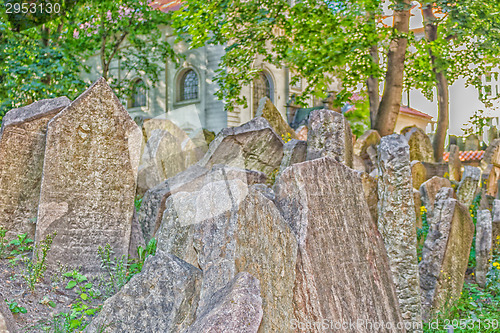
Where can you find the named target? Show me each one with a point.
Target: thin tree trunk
(388, 110)
(372, 84)
(441, 84)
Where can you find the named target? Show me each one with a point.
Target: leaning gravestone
(342, 270)
(418, 174)
(429, 189)
(161, 298)
(268, 111)
(420, 144)
(22, 147)
(492, 153)
(329, 135)
(454, 164)
(238, 230)
(253, 145)
(445, 254)
(235, 308)
(468, 185)
(483, 246)
(89, 178)
(397, 222)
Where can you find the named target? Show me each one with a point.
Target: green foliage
(15, 308)
(142, 254)
(473, 213)
(3, 242)
(137, 203)
(21, 244)
(476, 124)
(115, 270)
(422, 232)
(359, 116)
(36, 266)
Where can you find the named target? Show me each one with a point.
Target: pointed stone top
(35, 110)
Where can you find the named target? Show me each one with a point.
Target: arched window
(189, 86)
(262, 87)
(138, 98)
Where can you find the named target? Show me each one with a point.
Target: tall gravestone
(445, 254)
(89, 178)
(420, 144)
(22, 147)
(468, 185)
(397, 222)
(342, 269)
(429, 189)
(454, 164)
(483, 246)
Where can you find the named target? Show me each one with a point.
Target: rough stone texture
(162, 298)
(397, 222)
(162, 159)
(342, 270)
(329, 135)
(191, 180)
(371, 194)
(235, 308)
(22, 147)
(445, 254)
(136, 237)
(358, 163)
(7, 323)
(468, 185)
(492, 153)
(454, 164)
(492, 178)
(429, 189)
(471, 142)
(268, 111)
(418, 174)
(435, 169)
(364, 147)
(420, 144)
(495, 223)
(417, 203)
(253, 145)
(239, 230)
(164, 124)
(302, 133)
(483, 246)
(89, 179)
(294, 151)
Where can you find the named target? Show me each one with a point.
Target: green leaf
(71, 284)
(84, 296)
(52, 304)
(88, 285)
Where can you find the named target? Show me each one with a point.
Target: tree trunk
(431, 29)
(388, 110)
(372, 84)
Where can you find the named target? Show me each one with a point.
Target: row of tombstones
(326, 245)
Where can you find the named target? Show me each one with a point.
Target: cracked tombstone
(253, 145)
(468, 185)
(22, 148)
(483, 246)
(342, 270)
(239, 230)
(329, 134)
(237, 307)
(445, 254)
(397, 222)
(420, 144)
(89, 179)
(161, 298)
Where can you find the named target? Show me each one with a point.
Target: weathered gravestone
(418, 174)
(268, 111)
(429, 189)
(483, 246)
(365, 146)
(492, 176)
(445, 254)
(492, 153)
(191, 180)
(420, 144)
(162, 159)
(454, 164)
(294, 151)
(89, 178)
(7, 323)
(495, 224)
(397, 222)
(238, 230)
(471, 143)
(329, 134)
(468, 185)
(342, 270)
(253, 145)
(235, 308)
(22, 147)
(162, 298)
(436, 169)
